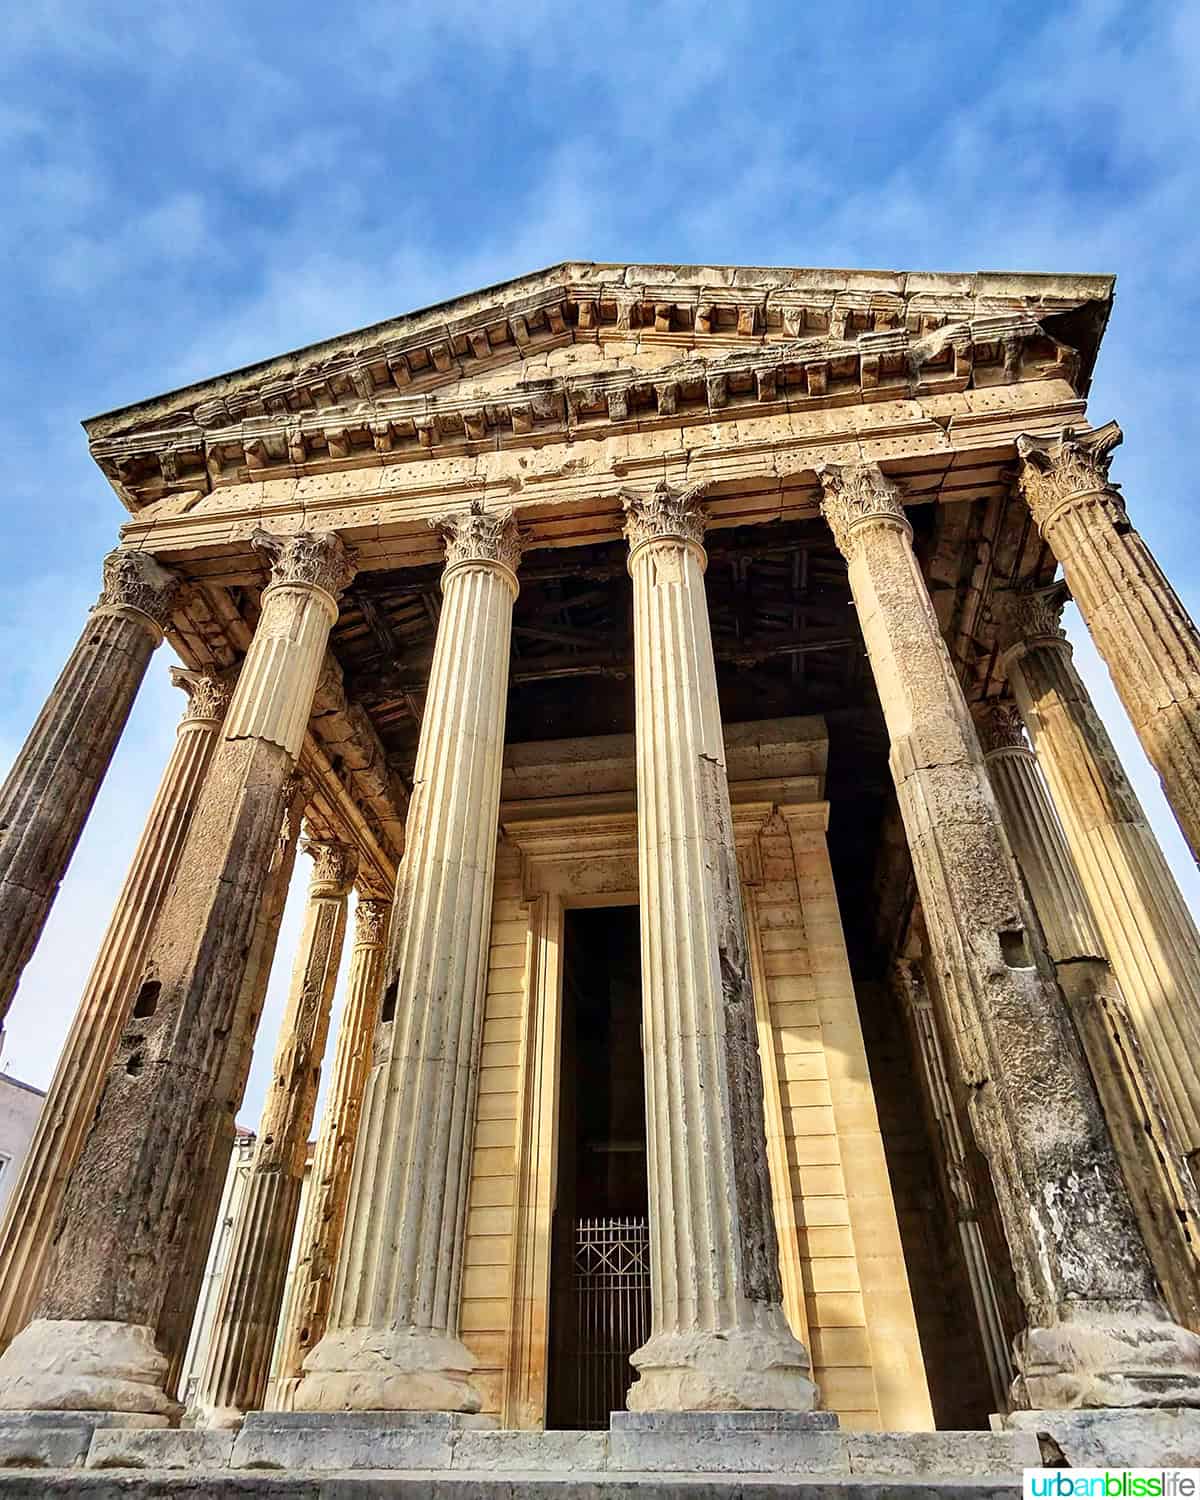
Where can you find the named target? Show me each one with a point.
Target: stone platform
(708, 1455)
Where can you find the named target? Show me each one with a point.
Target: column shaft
(50, 790)
(1141, 629)
(238, 1365)
(129, 1214)
(719, 1338)
(1143, 921)
(180, 1306)
(333, 1160)
(1097, 1334)
(35, 1201)
(1135, 1115)
(392, 1341)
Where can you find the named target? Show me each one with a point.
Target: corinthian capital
(371, 922)
(334, 866)
(1054, 471)
(317, 558)
(134, 580)
(1000, 726)
(664, 512)
(208, 692)
(855, 494)
(478, 535)
(1023, 616)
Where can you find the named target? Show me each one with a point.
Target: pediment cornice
(474, 371)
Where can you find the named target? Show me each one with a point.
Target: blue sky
(188, 189)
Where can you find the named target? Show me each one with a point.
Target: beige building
(786, 1003)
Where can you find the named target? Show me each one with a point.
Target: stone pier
(1132, 1107)
(1141, 629)
(1143, 922)
(392, 1342)
(718, 1336)
(35, 1201)
(333, 1159)
(128, 1215)
(49, 792)
(252, 1291)
(1097, 1334)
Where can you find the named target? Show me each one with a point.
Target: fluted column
(1141, 629)
(50, 790)
(70, 1104)
(1097, 1333)
(329, 1183)
(1143, 921)
(718, 1337)
(238, 1364)
(392, 1341)
(1136, 1118)
(129, 1215)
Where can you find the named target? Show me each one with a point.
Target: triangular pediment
(584, 347)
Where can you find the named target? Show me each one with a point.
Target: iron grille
(612, 1302)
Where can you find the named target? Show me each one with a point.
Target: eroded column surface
(1097, 1333)
(53, 783)
(234, 1380)
(180, 1304)
(1128, 1093)
(1139, 624)
(70, 1104)
(333, 1159)
(1143, 921)
(719, 1339)
(392, 1342)
(128, 1219)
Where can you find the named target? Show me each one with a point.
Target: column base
(1108, 1355)
(745, 1369)
(86, 1365)
(390, 1369)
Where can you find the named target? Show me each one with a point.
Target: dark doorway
(600, 1266)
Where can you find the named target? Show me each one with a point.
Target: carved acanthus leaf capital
(317, 558)
(664, 512)
(853, 496)
(1000, 726)
(1022, 616)
(479, 536)
(1073, 466)
(208, 691)
(371, 921)
(334, 866)
(134, 580)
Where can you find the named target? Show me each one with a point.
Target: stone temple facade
(772, 1030)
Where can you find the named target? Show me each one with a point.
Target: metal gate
(612, 1304)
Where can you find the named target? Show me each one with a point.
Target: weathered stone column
(333, 1159)
(1097, 1334)
(1136, 1119)
(392, 1342)
(128, 1220)
(1146, 929)
(719, 1339)
(1139, 624)
(180, 1304)
(50, 790)
(70, 1104)
(238, 1365)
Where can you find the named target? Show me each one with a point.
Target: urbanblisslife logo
(1110, 1484)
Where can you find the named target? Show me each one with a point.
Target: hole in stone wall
(147, 998)
(134, 1066)
(1014, 949)
(387, 1008)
